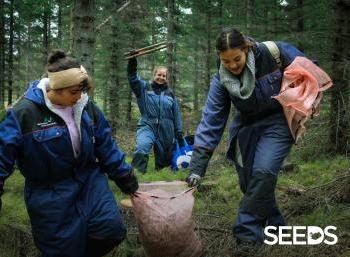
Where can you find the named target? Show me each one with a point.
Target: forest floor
(316, 193)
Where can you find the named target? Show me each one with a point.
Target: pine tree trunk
(220, 16)
(300, 24)
(208, 50)
(2, 53)
(340, 94)
(196, 81)
(249, 16)
(59, 22)
(171, 46)
(19, 81)
(129, 96)
(46, 30)
(114, 60)
(10, 56)
(274, 18)
(83, 33)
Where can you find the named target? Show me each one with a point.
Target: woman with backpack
(250, 74)
(63, 146)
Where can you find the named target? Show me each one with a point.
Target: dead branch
(214, 229)
(98, 28)
(291, 191)
(329, 183)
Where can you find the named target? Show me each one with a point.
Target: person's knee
(260, 195)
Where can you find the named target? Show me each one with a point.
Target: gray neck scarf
(243, 87)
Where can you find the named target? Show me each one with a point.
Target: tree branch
(214, 229)
(98, 28)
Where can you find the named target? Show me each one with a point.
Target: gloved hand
(198, 165)
(179, 138)
(132, 66)
(179, 135)
(193, 180)
(128, 183)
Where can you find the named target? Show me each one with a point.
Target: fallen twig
(329, 183)
(292, 191)
(214, 229)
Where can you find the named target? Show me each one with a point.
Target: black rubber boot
(139, 162)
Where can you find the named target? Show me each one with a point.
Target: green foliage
(316, 172)
(216, 205)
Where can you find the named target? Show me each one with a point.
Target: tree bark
(2, 53)
(300, 24)
(208, 50)
(10, 56)
(46, 30)
(274, 19)
(196, 81)
(340, 93)
(83, 33)
(171, 46)
(114, 60)
(249, 16)
(59, 21)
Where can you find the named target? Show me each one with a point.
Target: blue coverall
(260, 139)
(68, 199)
(160, 121)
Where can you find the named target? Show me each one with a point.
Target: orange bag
(165, 223)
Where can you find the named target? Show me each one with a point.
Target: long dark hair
(230, 38)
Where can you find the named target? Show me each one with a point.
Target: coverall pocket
(271, 84)
(47, 134)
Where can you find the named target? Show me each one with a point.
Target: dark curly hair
(58, 60)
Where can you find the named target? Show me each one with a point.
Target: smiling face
(66, 96)
(234, 59)
(160, 76)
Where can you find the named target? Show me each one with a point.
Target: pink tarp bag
(165, 223)
(301, 92)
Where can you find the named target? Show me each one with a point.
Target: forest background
(98, 33)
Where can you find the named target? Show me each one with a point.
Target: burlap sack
(165, 223)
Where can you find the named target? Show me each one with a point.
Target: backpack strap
(274, 51)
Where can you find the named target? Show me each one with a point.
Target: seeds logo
(300, 235)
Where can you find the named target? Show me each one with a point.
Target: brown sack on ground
(165, 223)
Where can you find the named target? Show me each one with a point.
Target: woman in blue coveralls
(260, 138)
(160, 122)
(64, 148)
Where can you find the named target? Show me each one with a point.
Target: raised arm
(136, 83)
